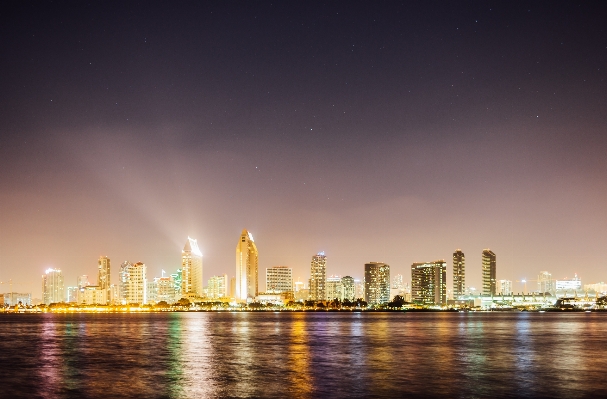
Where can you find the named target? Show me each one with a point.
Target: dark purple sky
(372, 131)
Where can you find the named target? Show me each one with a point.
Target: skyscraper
(377, 283)
(334, 288)
(133, 283)
(53, 290)
(218, 286)
(545, 283)
(247, 279)
(347, 286)
(459, 274)
(318, 276)
(103, 276)
(279, 279)
(489, 269)
(191, 266)
(429, 283)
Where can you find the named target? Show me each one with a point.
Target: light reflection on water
(303, 355)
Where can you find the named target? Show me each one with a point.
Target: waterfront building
(165, 289)
(247, 258)
(152, 291)
(359, 289)
(53, 290)
(83, 281)
(16, 298)
(504, 287)
(489, 272)
(429, 283)
(545, 283)
(103, 277)
(279, 279)
(218, 287)
(72, 294)
(232, 287)
(318, 277)
(191, 269)
(334, 288)
(299, 285)
(93, 295)
(348, 288)
(301, 295)
(377, 283)
(397, 282)
(177, 279)
(133, 283)
(569, 284)
(459, 274)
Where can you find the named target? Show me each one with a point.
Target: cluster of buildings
(428, 285)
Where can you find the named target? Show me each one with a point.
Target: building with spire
(459, 274)
(247, 270)
(191, 269)
(318, 277)
(489, 272)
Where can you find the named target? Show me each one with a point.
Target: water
(196, 355)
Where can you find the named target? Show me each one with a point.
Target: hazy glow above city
(394, 134)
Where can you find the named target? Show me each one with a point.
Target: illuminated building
(165, 289)
(299, 285)
(348, 289)
(279, 279)
(177, 281)
(93, 295)
(133, 283)
(569, 284)
(218, 287)
(545, 283)
(334, 288)
(72, 294)
(83, 281)
(247, 279)
(53, 290)
(103, 277)
(318, 277)
(232, 287)
(377, 283)
(191, 269)
(489, 271)
(504, 287)
(459, 274)
(14, 298)
(359, 289)
(429, 283)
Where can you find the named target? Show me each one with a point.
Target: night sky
(371, 131)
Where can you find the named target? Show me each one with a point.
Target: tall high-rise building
(133, 283)
(247, 274)
(377, 283)
(318, 277)
(545, 283)
(459, 274)
(191, 269)
(504, 287)
(334, 288)
(359, 289)
(83, 281)
(218, 286)
(347, 287)
(429, 283)
(103, 276)
(53, 290)
(279, 279)
(489, 271)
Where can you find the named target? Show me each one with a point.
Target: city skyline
(395, 133)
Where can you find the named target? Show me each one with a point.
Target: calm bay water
(194, 355)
